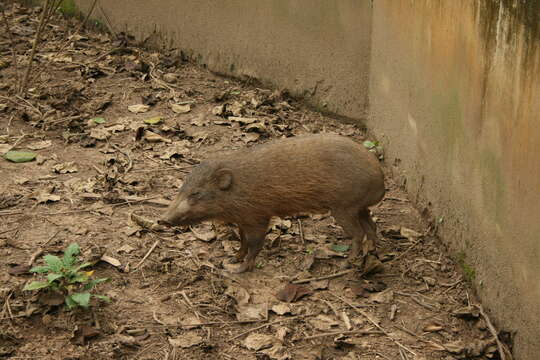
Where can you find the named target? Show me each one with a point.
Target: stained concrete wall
(292, 44)
(454, 95)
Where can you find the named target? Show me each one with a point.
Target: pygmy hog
(304, 174)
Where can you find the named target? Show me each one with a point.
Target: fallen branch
(504, 352)
(147, 254)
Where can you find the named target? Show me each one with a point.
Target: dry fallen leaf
(383, 297)
(100, 134)
(110, 260)
(83, 333)
(181, 109)
(323, 322)
(292, 293)
(153, 137)
(248, 312)
(433, 328)
(276, 352)
(138, 108)
(204, 232)
(65, 168)
(186, 340)
(39, 145)
(281, 309)
(239, 294)
(258, 341)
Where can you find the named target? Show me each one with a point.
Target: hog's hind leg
(349, 221)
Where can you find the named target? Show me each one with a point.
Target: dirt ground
(172, 296)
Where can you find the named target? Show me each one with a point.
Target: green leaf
(153, 121)
(94, 282)
(70, 254)
(370, 144)
(83, 299)
(40, 269)
(80, 278)
(102, 297)
(70, 302)
(20, 156)
(36, 285)
(54, 276)
(340, 247)
(82, 266)
(54, 262)
(98, 120)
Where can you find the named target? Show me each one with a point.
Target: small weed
(374, 147)
(259, 265)
(468, 271)
(65, 276)
(68, 7)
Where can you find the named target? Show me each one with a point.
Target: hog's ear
(224, 178)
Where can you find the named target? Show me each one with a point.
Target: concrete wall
(454, 94)
(455, 89)
(315, 48)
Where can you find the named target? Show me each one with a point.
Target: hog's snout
(177, 212)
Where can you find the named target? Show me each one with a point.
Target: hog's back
(306, 173)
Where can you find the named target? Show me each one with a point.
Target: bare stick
(503, 351)
(263, 326)
(374, 323)
(16, 142)
(331, 276)
(301, 231)
(65, 44)
(40, 250)
(37, 39)
(432, 343)
(147, 254)
(12, 42)
(359, 332)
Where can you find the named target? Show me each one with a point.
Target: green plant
(468, 271)
(65, 276)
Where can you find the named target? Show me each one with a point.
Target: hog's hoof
(372, 264)
(244, 267)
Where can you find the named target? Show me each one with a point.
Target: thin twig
(263, 326)
(331, 276)
(37, 39)
(430, 342)
(374, 323)
(124, 202)
(16, 142)
(40, 250)
(301, 231)
(65, 44)
(350, 332)
(503, 351)
(147, 254)
(12, 42)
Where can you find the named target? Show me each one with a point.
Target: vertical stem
(12, 42)
(37, 39)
